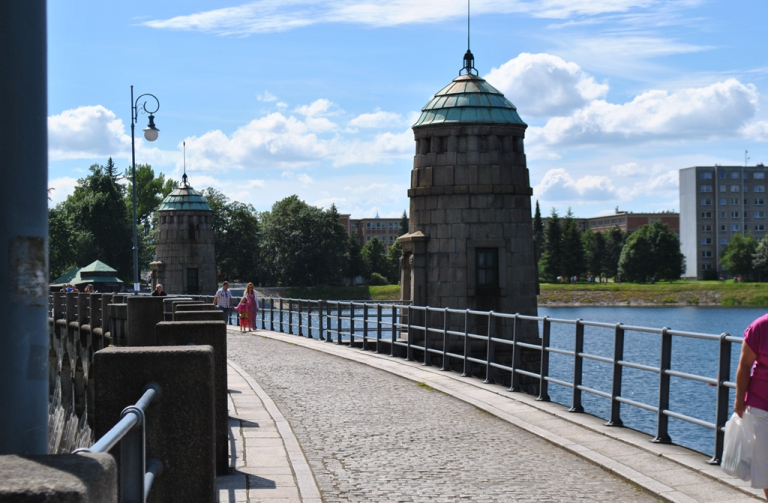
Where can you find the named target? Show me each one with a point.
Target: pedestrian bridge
(315, 422)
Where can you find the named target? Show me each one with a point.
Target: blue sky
(316, 98)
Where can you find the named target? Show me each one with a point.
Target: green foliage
(653, 251)
(355, 266)
(573, 250)
(738, 255)
(538, 233)
(552, 256)
(404, 223)
(760, 260)
(595, 251)
(374, 258)
(377, 280)
(613, 246)
(302, 244)
(394, 253)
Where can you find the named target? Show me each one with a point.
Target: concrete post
(214, 334)
(180, 425)
(24, 229)
(198, 315)
(143, 314)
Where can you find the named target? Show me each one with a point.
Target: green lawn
(387, 292)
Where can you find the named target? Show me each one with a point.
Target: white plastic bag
(737, 448)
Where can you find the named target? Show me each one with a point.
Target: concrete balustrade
(214, 315)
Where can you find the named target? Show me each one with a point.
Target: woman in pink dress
(253, 306)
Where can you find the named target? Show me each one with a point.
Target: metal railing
(137, 473)
(381, 324)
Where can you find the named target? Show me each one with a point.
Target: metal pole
(134, 118)
(23, 229)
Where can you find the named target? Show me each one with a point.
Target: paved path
(369, 435)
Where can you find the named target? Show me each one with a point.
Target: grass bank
(679, 293)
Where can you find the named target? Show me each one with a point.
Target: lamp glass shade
(150, 133)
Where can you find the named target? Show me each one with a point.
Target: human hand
(739, 407)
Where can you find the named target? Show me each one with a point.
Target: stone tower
(470, 241)
(186, 262)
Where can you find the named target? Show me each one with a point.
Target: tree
(538, 232)
(653, 251)
(404, 224)
(573, 250)
(355, 266)
(595, 252)
(760, 260)
(394, 253)
(613, 247)
(738, 255)
(552, 256)
(374, 258)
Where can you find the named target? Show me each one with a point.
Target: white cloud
(559, 185)
(318, 108)
(716, 111)
(266, 96)
(384, 147)
(757, 131)
(62, 188)
(86, 132)
(545, 85)
(266, 16)
(377, 119)
(628, 169)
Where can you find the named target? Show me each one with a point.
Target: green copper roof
(97, 266)
(469, 99)
(184, 198)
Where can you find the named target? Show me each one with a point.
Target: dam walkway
(313, 422)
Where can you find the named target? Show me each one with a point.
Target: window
(735, 227)
(723, 214)
(735, 214)
(487, 268)
(705, 201)
(706, 254)
(734, 188)
(759, 188)
(723, 241)
(192, 283)
(760, 227)
(735, 201)
(734, 175)
(368, 225)
(706, 241)
(706, 188)
(759, 214)
(706, 267)
(759, 175)
(723, 188)
(723, 227)
(723, 201)
(706, 175)
(706, 214)
(722, 175)
(760, 201)
(706, 227)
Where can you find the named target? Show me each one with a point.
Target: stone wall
(184, 241)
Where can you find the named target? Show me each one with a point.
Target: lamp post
(150, 133)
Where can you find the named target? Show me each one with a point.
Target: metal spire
(184, 177)
(469, 59)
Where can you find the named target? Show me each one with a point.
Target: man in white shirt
(223, 300)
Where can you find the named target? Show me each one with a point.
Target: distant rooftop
(184, 198)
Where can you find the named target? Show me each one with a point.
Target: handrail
(137, 473)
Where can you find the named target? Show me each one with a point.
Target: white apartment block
(716, 203)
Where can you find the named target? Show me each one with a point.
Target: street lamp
(150, 133)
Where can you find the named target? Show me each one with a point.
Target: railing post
(722, 409)
(515, 380)
(426, 337)
(272, 314)
(578, 366)
(662, 423)
(489, 349)
(338, 322)
(378, 328)
(544, 371)
(320, 325)
(393, 334)
(352, 310)
(618, 356)
(444, 366)
(300, 318)
(409, 351)
(290, 316)
(465, 369)
(133, 459)
(365, 327)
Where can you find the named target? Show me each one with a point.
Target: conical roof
(184, 197)
(469, 99)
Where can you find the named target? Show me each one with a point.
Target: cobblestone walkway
(374, 437)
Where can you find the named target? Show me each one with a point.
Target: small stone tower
(470, 241)
(186, 262)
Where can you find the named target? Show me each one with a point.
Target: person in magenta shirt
(752, 395)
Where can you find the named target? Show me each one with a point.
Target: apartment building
(717, 203)
(386, 229)
(627, 221)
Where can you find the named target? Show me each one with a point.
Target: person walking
(752, 395)
(223, 300)
(252, 306)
